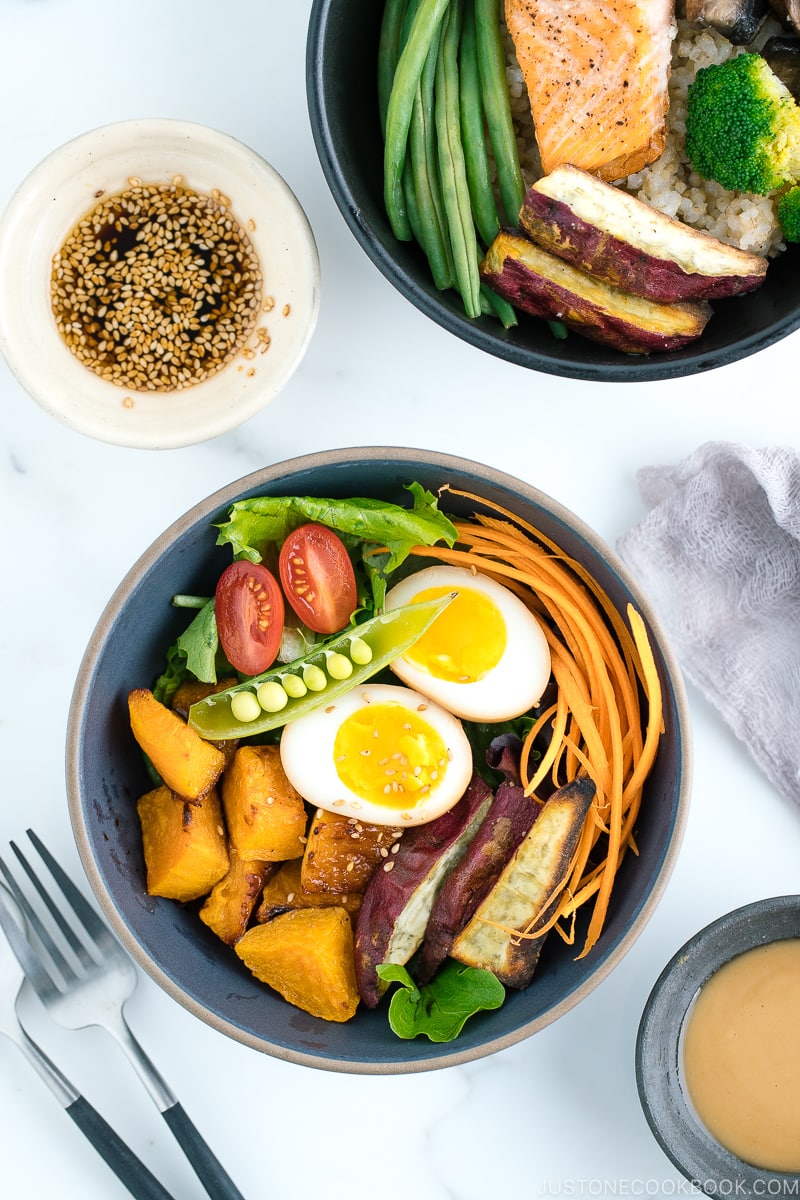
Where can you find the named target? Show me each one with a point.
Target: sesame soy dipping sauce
(158, 287)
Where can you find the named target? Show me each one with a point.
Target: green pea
(245, 707)
(272, 696)
(314, 678)
(360, 652)
(338, 666)
(293, 686)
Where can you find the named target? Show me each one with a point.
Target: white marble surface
(559, 1114)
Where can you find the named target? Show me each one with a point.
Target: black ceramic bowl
(341, 84)
(670, 1115)
(106, 774)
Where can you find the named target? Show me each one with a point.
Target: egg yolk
(449, 649)
(390, 755)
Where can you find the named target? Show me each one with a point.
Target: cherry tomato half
(318, 578)
(249, 608)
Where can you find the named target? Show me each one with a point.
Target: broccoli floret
(743, 126)
(789, 214)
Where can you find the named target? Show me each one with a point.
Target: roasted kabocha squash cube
(229, 907)
(185, 852)
(190, 692)
(266, 817)
(185, 762)
(306, 955)
(285, 890)
(341, 852)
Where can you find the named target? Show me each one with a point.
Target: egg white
(504, 690)
(309, 758)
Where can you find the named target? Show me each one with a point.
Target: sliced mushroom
(788, 11)
(737, 20)
(783, 56)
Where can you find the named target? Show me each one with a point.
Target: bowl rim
(217, 501)
(65, 186)
(682, 1137)
(482, 333)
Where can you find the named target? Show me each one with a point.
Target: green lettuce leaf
(253, 525)
(192, 656)
(440, 1009)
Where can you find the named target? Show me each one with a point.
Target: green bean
(473, 134)
(401, 103)
(409, 185)
(388, 53)
(497, 104)
(432, 232)
(455, 190)
(497, 306)
(412, 203)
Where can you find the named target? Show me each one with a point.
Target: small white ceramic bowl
(63, 189)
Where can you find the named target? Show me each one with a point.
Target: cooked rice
(669, 184)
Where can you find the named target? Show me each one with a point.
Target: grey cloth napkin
(718, 554)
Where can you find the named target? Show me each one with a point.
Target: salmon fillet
(597, 73)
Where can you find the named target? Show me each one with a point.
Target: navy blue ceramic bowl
(712, 1168)
(105, 776)
(341, 86)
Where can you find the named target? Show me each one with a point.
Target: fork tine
(31, 964)
(35, 923)
(75, 944)
(83, 910)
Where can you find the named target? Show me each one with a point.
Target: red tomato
(249, 610)
(318, 578)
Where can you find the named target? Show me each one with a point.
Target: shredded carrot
(607, 719)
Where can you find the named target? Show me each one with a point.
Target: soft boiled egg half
(381, 753)
(485, 658)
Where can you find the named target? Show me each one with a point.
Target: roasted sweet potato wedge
(611, 234)
(184, 844)
(539, 283)
(285, 890)
(341, 853)
(501, 936)
(266, 817)
(187, 764)
(229, 906)
(307, 956)
(399, 896)
(507, 822)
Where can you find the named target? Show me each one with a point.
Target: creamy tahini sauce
(741, 1055)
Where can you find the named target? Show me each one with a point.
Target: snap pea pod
(432, 235)
(497, 105)
(455, 190)
(283, 693)
(398, 114)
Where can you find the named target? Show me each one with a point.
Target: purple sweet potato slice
(399, 896)
(543, 285)
(613, 235)
(525, 895)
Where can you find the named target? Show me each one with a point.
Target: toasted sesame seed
(157, 287)
(388, 866)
